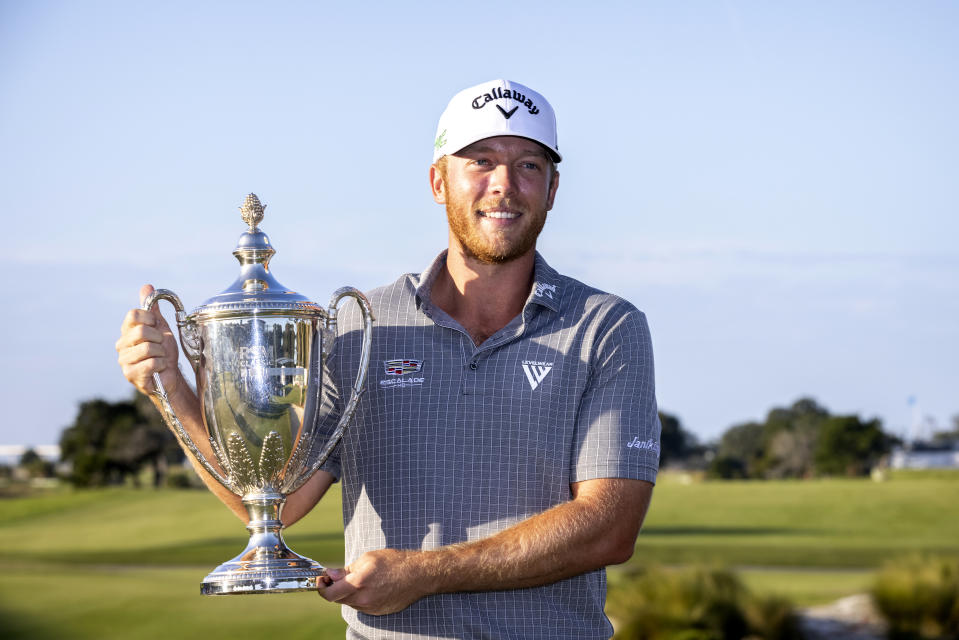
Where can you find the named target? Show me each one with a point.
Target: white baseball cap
(495, 108)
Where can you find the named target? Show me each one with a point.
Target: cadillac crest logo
(402, 367)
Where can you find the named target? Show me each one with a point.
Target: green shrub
(773, 617)
(183, 478)
(695, 604)
(726, 468)
(919, 597)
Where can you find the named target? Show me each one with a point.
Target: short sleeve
(617, 431)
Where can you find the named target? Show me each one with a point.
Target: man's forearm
(595, 529)
(188, 412)
(186, 405)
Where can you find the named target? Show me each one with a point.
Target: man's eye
(530, 165)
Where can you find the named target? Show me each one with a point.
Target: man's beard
(477, 245)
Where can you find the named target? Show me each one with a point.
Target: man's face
(497, 192)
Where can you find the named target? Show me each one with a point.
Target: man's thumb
(145, 291)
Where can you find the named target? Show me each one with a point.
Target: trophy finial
(252, 211)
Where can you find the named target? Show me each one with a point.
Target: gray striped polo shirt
(454, 442)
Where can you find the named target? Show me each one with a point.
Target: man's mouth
(500, 214)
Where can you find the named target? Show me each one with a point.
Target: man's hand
(379, 582)
(146, 346)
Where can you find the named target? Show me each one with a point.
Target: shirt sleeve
(617, 431)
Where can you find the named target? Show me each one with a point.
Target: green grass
(56, 602)
(807, 587)
(122, 563)
(128, 564)
(924, 474)
(819, 523)
(129, 527)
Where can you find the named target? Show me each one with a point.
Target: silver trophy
(258, 351)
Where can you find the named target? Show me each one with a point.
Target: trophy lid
(255, 291)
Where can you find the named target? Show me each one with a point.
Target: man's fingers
(337, 574)
(143, 351)
(333, 587)
(139, 333)
(338, 591)
(140, 373)
(138, 316)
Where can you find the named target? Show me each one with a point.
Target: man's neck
(483, 297)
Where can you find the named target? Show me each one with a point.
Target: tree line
(112, 442)
(802, 440)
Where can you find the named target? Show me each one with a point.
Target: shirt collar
(424, 282)
(546, 290)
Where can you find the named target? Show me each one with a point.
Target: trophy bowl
(258, 351)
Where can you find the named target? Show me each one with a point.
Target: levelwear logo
(536, 371)
(498, 94)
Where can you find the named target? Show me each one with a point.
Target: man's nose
(501, 181)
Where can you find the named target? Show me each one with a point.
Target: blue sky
(774, 184)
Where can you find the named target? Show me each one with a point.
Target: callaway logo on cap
(495, 108)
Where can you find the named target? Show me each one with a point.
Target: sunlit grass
(124, 563)
(62, 601)
(807, 587)
(825, 523)
(129, 527)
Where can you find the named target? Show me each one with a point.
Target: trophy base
(284, 572)
(267, 565)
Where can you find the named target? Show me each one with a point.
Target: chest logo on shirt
(401, 370)
(402, 367)
(536, 372)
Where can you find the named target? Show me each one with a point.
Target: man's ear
(437, 185)
(553, 186)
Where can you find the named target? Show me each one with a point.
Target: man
(505, 452)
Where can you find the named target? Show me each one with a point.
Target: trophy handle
(360, 382)
(190, 346)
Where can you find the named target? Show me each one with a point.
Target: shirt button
(473, 366)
